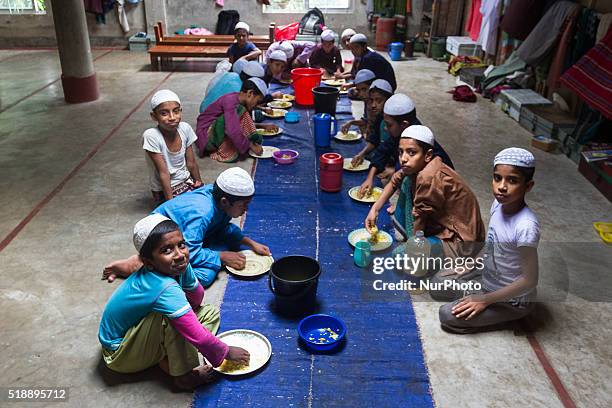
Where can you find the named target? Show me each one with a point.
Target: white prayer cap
(359, 38)
(349, 32)
(278, 55)
(515, 156)
(398, 104)
(239, 66)
(363, 75)
(418, 132)
(382, 85)
(253, 69)
(223, 66)
(163, 95)
(261, 85)
(242, 25)
(328, 35)
(143, 228)
(287, 48)
(236, 181)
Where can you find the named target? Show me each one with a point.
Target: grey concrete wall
(29, 30)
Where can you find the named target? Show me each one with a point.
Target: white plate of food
(350, 136)
(363, 166)
(275, 114)
(379, 241)
(266, 154)
(280, 104)
(286, 97)
(334, 82)
(266, 132)
(370, 198)
(255, 343)
(255, 264)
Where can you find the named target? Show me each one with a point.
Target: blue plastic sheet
(381, 363)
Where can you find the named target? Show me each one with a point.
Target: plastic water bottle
(418, 249)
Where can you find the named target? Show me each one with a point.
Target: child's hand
(234, 260)
(365, 188)
(386, 173)
(357, 160)
(238, 355)
(469, 307)
(257, 149)
(345, 128)
(277, 95)
(197, 183)
(370, 222)
(260, 249)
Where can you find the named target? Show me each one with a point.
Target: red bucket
(304, 79)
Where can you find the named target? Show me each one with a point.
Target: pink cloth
(474, 20)
(195, 296)
(225, 105)
(220, 3)
(192, 330)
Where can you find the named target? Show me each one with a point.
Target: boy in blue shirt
(242, 48)
(510, 273)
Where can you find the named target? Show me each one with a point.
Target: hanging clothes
(521, 16)
(586, 33)
(487, 38)
(122, 16)
(558, 64)
(474, 21)
(604, 25)
(543, 37)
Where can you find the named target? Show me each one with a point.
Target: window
(302, 6)
(22, 7)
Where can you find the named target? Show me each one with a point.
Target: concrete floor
(51, 297)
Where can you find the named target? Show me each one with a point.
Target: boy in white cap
(362, 82)
(225, 129)
(242, 48)
(345, 38)
(173, 168)
(297, 53)
(275, 66)
(205, 217)
(376, 132)
(399, 113)
(433, 198)
(369, 59)
(156, 316)
(327, 56)
(510, 273)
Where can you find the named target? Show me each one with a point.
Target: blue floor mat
(381, 363)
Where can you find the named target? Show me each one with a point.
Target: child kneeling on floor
(156, 318)
(433, 199)
(173, 169)
(226, 130)
(510, 274)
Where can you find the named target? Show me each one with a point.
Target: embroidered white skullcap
(253, 69)
(143, 229)
(364, 75)
(242, 25)
(278, 55)
(223, 66)
(398, 104)
(419, 132)
(328, 35)
(515, 156)
(359, 38)
(287, 48)
(261, 85)
(163, 95)
(239, 66)
(236, 181)
(349, 32)
(383, 85)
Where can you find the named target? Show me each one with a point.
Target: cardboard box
(544, 143)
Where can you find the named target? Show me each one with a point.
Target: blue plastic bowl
(292, 117)
(321, 332)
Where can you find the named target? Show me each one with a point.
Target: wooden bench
(261, 41)
(161, 53)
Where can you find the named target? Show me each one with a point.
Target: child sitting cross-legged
(173, 169)
(433, 199)
(156, 318)
(510, 273)
(376, 132)
(225, 129)
(242, 48)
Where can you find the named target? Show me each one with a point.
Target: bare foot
(203, 374)
(391, 209)
(121, 268)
